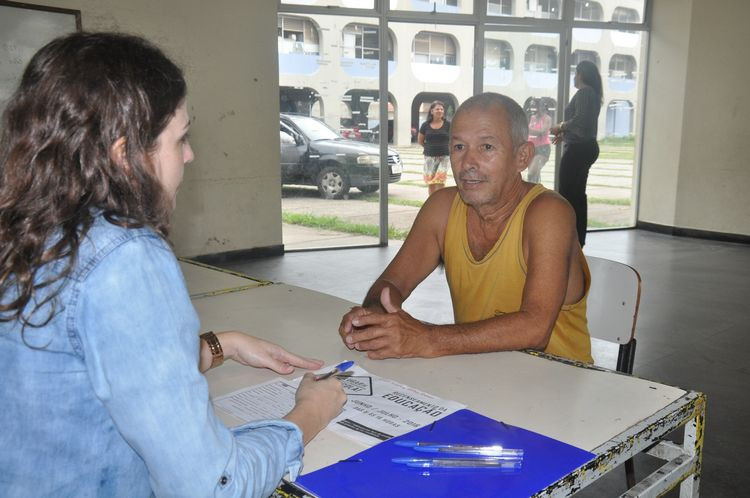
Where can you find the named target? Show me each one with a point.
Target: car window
(285, 129)
(314, 129)
(286, 138)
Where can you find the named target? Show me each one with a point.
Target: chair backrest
(612, 305)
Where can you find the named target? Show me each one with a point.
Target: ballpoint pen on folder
(460, 463)
(338, 369)
(463, 449)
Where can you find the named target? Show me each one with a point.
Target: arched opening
(360, 118)
(297, 35)
(434, 48)
(622, 67)
(579, 56)
(540, 66)
(297, 100)
(361, 41)
(587, 10)
(498, 54)
(619, 118)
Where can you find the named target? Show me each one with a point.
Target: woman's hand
(254, 352)
(557, 131)
(317, 403)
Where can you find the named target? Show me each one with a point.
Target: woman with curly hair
(102, 390)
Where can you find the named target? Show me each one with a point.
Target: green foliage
(394, 200)
(336, 224)
(628, 141)
(613, 202)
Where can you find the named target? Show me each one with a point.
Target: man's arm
(549, 250)
(418, 257)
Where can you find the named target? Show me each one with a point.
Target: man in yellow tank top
(517, 276)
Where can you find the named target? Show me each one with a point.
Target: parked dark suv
(312, 153)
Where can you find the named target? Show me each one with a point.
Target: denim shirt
(106, 399)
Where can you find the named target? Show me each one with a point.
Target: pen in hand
(341, 367)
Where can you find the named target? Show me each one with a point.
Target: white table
(612, 415)
(206, 280)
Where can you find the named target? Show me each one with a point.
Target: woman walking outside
(434, 135)
(539, 125)
(578, 134)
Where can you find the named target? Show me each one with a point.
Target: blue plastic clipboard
(371, 473)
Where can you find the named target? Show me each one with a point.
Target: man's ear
(524, 155)
(118, 154)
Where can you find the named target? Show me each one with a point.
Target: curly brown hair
(79, 95)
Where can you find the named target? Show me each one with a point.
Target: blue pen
(460, 463)
(463, 449)
(341, 367)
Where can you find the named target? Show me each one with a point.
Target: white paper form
(272, 399)
(377, 408)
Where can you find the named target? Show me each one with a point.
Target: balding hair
(519, 123)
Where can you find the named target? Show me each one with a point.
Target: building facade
(328, 64)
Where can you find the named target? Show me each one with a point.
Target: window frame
(482, 21)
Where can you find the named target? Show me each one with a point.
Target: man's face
(485, 166)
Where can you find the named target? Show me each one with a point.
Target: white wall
(230, 198)
(695, 171)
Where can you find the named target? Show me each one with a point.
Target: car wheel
(368, 189)
(332, 183)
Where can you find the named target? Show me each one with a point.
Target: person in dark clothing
(578, 134)
(434, 135)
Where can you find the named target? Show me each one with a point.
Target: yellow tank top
(494, 285)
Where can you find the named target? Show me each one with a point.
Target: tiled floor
(693, 328)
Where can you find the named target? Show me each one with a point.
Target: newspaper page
(377, 409)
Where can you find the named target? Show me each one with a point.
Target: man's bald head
(489, 101)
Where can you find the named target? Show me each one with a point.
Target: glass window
(500, 7)
(622, 67)
(328, 103)
(361, 41)
(586, 10)
(579, 56)
(447, 6)
(351, 4)
(620, 120)
(300, 100)
(359, 115)
(297, 35)
(541, 59)
(543, 9)
(623, 14)
(434, 48)
(329, 69)
(498, 54)
(612, 184)
(536, 92)
(625, 11)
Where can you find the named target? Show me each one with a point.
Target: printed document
(377, 408)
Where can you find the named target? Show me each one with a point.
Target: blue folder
(371, 473)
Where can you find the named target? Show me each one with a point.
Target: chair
(612, 307)
(612, 310)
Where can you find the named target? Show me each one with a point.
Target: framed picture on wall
(24, 29)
